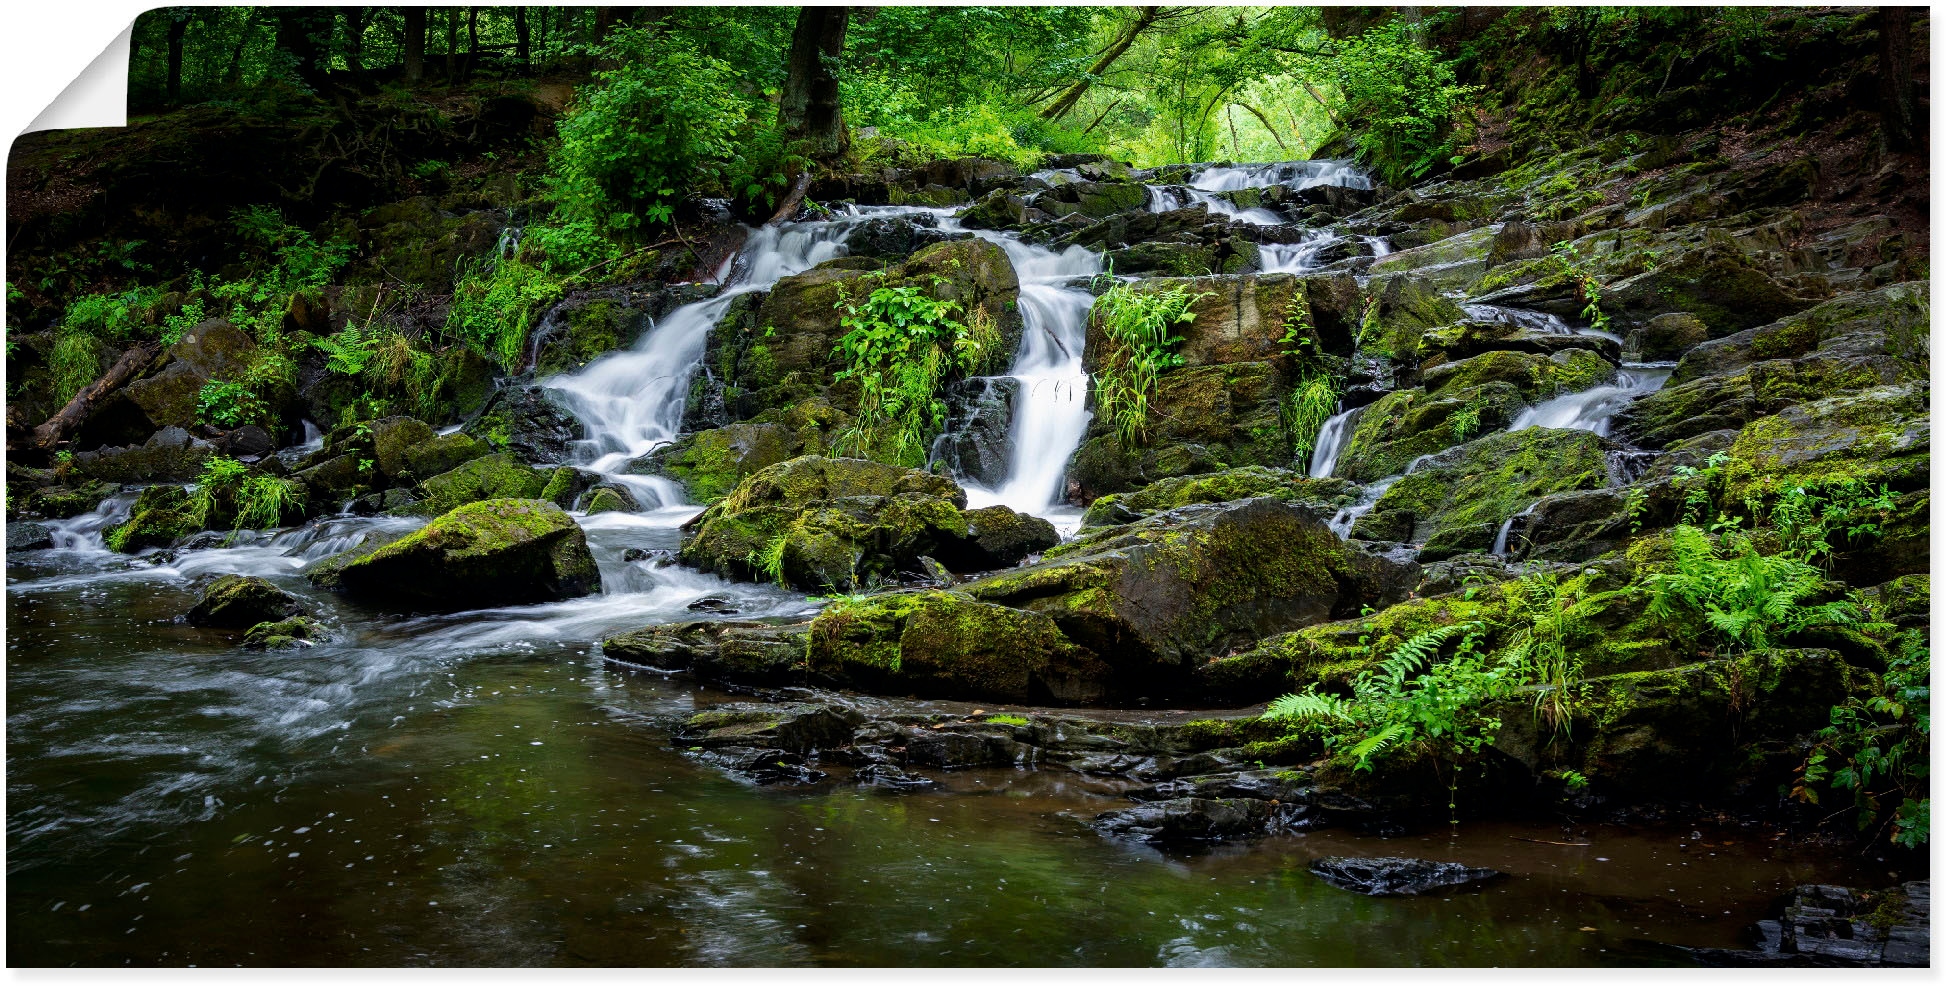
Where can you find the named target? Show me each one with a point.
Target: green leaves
(1402, 98)
(900, 345)
(1748, 600)
(1881, 743)
(229, 405)
(1140, 325)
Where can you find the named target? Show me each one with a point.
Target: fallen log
(796, 198)
(56, 429)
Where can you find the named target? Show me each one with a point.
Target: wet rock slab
(1396, 876)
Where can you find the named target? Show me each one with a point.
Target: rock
(1092, 199)
(840, 521)
(949, 645)
(239, 601)
(171, 455)
(1218, 487)
(1396, 876)
(1830, 926)
(247, 442)
(501, 475)
(324, 572)
(77, 497)
(716, 650)
(1189, 820)
(1534, 376)
(709, 464)
(610, 497)
(1455, 263)
(979, 426)
(1458, 499)
(500, 552)
(28, 536)
(393, 437)
(1155, 598)
(1718, 285)
(1391, 432)
(799, 727)
(528, 423)
(896, 238)
(1667, 337)
(1244, 318)
(162, 515)
(718, 604)
(762, 766)
(441, 453)
(296, 632)
(997, 537)
(211, 350)
(1202, 419)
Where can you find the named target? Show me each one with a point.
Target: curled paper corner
(98, 97)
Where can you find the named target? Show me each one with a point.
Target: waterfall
(1594, 409)
(1051, 414)
(1331, 438)
(1507, 529)
(1341, 524)
(1295, 258)
(632, 401)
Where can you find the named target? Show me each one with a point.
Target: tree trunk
(233, 76)
(1123, 43)
(415, 44)
(606, 18)
(810, 109)
(1897, 114)
(522, 50)
(452, 44)
(297, 30)
(57, 428)
(354, 39)
(472, 40)
(177, 26)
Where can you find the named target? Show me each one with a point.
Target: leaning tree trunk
(810, 110)
(1120, 47)
(415, 44)
(70, 418)
(522, 38)
(1897, 114)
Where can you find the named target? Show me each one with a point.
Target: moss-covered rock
(1536, 377)
(441, 453)
(1456, 263)
(610, 498)
(1718, 284)
(1156, 597)
(723, 651)
(211, 350)
(492, 553)
(949, 645)
(527, 422)
(1879, 435)
(1244, 318)
(162, 515)
(709, 464)
(324, 572)
(71, 499)
(1890, 322)
(997, 537)
(239, 601)
(393, 437)
(1458, 500)
(1202, 419)
(170, 455)
(1095, 200)
(498, 476)
(1405, 424)
(1219, 487)
(1408, 305)
(298, 631)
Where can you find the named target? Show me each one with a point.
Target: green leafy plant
(495, 304)
(229, 405)
(1311, 403)
(1140, 325)
(174, 327)
(1876, 748)
(228, 489)
(1404, 97)
(1587, 287)
(1744, 599)
(1545, 613)
(770, 561)
(1465, 422)
(900, 345)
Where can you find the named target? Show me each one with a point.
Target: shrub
(229, 405)
(1748, 601)
(1403, 97)
(495, 304)
(1876, 748)
(900, 345)
(1140, 326)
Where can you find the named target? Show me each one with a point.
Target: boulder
(58, 502)
(211, 350)
(976, 442)
(896, 238)
(1457, 500)
(709, 464)
(525, 421)
(29, 536)
(440, 453)
(162, 515)
(799, 727)
(1244, 318)
(171, 455)
(1718, 284)
(240, 601)
(1189, 820)
(498, 552)
(611, 497)
(997, 537)
(295, 632)
(1391, 432)
(1157, 597)
(1396, 876)
(1219, 487)
(949, 645)
(501, 475)
(1202, 419)
(393, 437)
(739, 653)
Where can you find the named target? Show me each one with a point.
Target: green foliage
(900, 345)
(1809, 516)
(1877, 748)
(1410, 704)
(770, 561)
(288, 260)
(229, 405)
(1140, 326)
(495, 304)
(1587, 287)
(1402, 97)
(347, 351)
(665, 119)
(174, 327)
(252, 501)
(1312, 402)
(1545, 613)
(1747, 600)
(1465, 422)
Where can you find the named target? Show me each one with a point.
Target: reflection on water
(482, 789)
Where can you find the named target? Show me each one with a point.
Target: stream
(482, 788)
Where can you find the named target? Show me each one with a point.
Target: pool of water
(483, 789)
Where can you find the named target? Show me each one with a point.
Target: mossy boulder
(162, 515)
(501, 475)
(324, 572)
(997, 537)
(1219, 487)
(950, 645)
(1455, 263)
(29, 536)
(239, 601)
(441, 453)
(821, 524)
(296, 632)
(1157, 597)
(1458, 500)
(1096, 200)
(1878, 435)
(211, 350)
(500, 552)
(1713, 728)
(1535, 376)
(1407, 305)
(1244, 318)
(709, 464)
(529, 423)
(1476, 336)
(1388, 434)
(1888, 324)
(170, 455)
(730, 652)
(1202, 419)
(393, 437)
(611, 498)
(71, 499)
(1717, 284)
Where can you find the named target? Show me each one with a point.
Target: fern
(1749, 601)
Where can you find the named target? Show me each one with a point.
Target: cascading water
(1295, 258)
(1051, 413)
(1594, 409)
(1291, 174)
(1331, 438)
